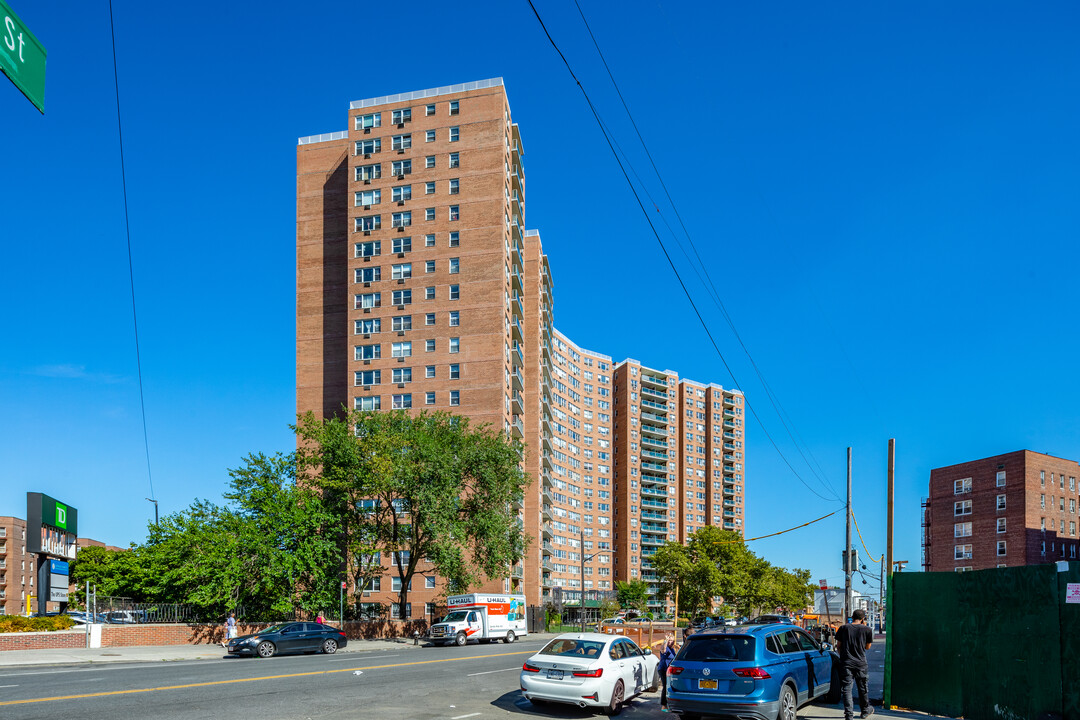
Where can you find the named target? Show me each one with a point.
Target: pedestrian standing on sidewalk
(319, 619)
(667, 656)
(230, 630)
(852, 642)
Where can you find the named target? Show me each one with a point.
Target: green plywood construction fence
(990, 644)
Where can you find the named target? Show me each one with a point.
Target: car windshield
(717, 648)
(456, 616)
(574, 648)
(276, 628)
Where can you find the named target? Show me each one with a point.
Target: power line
(667, 255)
(868, 554)
(131, 265)
(707, 279)
(762, 537)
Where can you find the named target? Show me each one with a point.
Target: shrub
(18, 623)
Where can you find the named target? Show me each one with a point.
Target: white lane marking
(492, 671)
(461, 717)
(7, 686)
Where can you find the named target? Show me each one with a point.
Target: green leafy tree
(423, 488)
(633, 594)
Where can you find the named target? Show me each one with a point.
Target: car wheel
(510, 637)
(266, 649)
(461, 639)
(329, 646)
(788, 704)
(614, 706)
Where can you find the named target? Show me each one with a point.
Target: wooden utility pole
(847, 545)
(892, 478)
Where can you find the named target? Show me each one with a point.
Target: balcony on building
(658, 407)
(517, 379)
(653, 430)
(653, 442)
(654, 380)
(518, 427)
(645, 390)
(729, 401)
(516, 403)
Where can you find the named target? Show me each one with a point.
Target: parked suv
(754, 672)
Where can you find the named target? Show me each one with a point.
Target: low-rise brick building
(1019, 508)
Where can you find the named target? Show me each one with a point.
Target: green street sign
(22, 57)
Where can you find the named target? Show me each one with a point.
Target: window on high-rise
(429, 188)
(429, 136)
(429, 266)
(455, 345)
(401, 142)
(429, 292)
(401, 272)
(455, 318)
(455, 134)
(367, 147)
(429, 371)
(455, 397)
(367, 223)
(429, 319)
(372, 120)
(402, 401)
(402, 244)
(401, 168)
(367, 352)
(429, 240)
(367, 197)
(429, 214)
(371, 402)
(402, 375)
(429, 346)
(368, 172)
(455, 107)
(429, 161)
(455, 212)
(429, 109)
(455, 372)
(403, 115)
(401, 323)
(402, 192)
(402, 297)
(429, 398)
(455, 266)
(455, 292)
(455, 160)
(367, 274)
(455, 186)
(401, 349)
(367, 377)
(455, 239)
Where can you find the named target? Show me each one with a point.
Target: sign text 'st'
(22, 57)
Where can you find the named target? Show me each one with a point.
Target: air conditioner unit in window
(367, 207)
(367, 232)
(401, 202)
(367, 155)
(367, 131)
(367, 182)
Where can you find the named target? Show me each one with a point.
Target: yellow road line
(255, 679)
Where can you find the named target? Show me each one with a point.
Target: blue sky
(885, 197)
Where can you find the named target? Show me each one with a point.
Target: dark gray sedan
(293, 637)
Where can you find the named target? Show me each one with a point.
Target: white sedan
(590, 670)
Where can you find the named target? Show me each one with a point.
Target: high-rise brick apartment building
(419, 288)
(1019, 508)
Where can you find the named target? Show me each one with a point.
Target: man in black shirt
(852, 642)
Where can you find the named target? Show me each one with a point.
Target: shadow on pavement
(514, 702)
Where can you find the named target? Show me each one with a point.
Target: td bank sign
(51, 526)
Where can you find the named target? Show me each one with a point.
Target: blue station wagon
(750, 672)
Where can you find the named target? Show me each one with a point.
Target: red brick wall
(148, 635)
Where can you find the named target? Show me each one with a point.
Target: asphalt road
(449, 683)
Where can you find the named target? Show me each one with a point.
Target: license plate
(706, 684)
(555, 674)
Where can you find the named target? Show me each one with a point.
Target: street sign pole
(22, 57)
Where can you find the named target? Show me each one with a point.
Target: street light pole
(155, 510)
(581, 547)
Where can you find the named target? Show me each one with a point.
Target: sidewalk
(160, 653)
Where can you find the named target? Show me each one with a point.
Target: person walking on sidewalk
(852, 642)
(230, 630)
(667, 656)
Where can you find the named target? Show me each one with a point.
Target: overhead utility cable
(131, 265)
(762, 537)
(707, 279)
(667, 255)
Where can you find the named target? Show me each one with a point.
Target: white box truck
(481, 617)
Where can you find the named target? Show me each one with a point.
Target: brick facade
(1019, 508)
(480, 324)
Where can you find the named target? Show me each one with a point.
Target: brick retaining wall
(180, 634)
